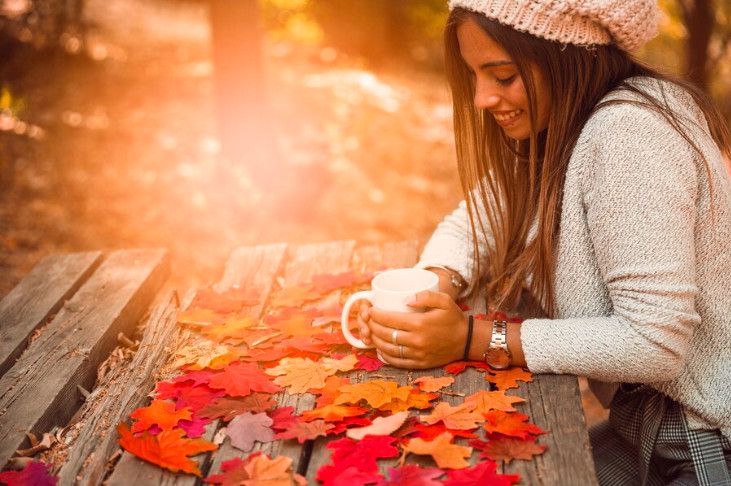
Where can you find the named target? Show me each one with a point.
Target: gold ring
(401, 351)
(394, 337)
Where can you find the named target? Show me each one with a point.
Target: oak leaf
(168, 449)
(375, 392)
(433, 384)
(249, 427)
(461, 417)
(444, 453)
(161, 413)
(504, 380)
(512, 424)
(380, 426)
(299, 374)
(240, 379)
(492, 400)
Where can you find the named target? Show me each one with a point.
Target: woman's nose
(485, 98)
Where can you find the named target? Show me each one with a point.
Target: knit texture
(643, 269)
(628, 23)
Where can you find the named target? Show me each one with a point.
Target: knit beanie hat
(627, 23)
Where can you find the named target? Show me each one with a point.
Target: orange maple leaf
(199, 317)
(507, 379)
(507, 448)
(346, 363)
(461, 417)
(236, 327)
(295, 296)
(375, 392)
(257, 470)
(333, 413)
(510, 423)
(240, 379)
(161, 413)
(418, 400)
(493, 400)
(433, 384)
(445, 454)
(168, 449)
(299, 374)
(296, 325)
(330, 391)
(303, 431)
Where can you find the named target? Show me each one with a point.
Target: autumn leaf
(161, 413)
(483, 473)
(227, 302)
(362, 455)
(429, 432)
(461, 417)
(35, 473)
(368, 362)
(201, 355)
(283, 418)
(257, 470)
(416, 399)
(343, 364)
(330, 391)
(507, 448)
(199, 317)
(432, 384)
(235, 328)
(333, 413)
(240, 379)
(226, 408)
(295, 296)
(296, 325)
(375, 392)
(249, 427)
(326, 283)
(492, 400)
(299, 374)
(507, 379)
(459, 366)
(380, 426)
(413, 475)
(513, 424)
(198, 377)
(168, 449)
(349, 476)
(444, 453)
(347, 423)
(187, 395)
(264, 355)
(195, 427)
(303, 431)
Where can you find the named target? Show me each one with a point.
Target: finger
(398, 362)
(364, 310)
(385, 334)
(432, 300)
(394, 320)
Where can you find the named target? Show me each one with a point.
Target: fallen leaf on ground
(331, 390)
(432, 384)
(161, 413)
(240, 379)
(232, 300)
(413, 475)
(416, 399)
(492, 400)
(169, 449)
(299, 374)
(504, 380)
(461, 417)
(459, 366)
(257, 470)
(333, 413)
(374, 392)
(380, 426)
(507, 448)
(444, 453)
(295, 296)
(484, 473)
(303, 431)
(35, 473)
(249, 427)
(368, 362)
(343, 364)
(513, 424)
(361, 455)
(226, 408)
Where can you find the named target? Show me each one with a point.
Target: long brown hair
(520, 182)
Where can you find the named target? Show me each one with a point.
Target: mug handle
(354, 341)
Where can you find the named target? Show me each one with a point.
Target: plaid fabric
(647, 442)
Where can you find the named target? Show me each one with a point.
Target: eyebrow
(495, 63)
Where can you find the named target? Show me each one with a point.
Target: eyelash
(506, 81)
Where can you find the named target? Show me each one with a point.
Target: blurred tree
(240, 90)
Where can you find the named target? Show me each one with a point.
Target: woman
(595, 189)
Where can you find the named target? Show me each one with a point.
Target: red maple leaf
(283, 418)
(240, 379)
(459, 366)
(187, 394)
(369, 362)
(226, 408)
(413, 475)
(361, 454)
(513, 424)
(160, 413)
(35, 473)
(483, 473)
(343, 425)
(199, 377)
(350, 476)
(430, 432)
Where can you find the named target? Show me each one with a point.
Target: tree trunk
(699, 21)
(240, 94)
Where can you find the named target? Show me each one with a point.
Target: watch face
(497, 358)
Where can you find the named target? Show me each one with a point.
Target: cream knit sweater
(643, 272)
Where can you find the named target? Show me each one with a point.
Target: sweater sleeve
(451, 245)
(640, 196)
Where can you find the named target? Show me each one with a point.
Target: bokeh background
(204, 125)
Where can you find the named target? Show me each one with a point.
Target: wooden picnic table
(62, 321)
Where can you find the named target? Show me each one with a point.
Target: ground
(130, 156)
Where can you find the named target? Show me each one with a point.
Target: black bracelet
(470, 325)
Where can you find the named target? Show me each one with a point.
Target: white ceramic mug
(391, 291)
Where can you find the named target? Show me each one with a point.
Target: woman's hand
(363, 318)
(427, 339)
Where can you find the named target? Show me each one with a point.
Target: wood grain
(37, 297)
(249, 267)
(40, 391)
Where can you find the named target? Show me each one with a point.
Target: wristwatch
(497, 355)
(454, 278)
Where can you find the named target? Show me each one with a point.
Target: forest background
(202, 125)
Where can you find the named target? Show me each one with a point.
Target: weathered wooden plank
(303, 262)
(37, 297)
(554, 404)
(40, 391)
(367, 259)
(122, 391)
(253, 267)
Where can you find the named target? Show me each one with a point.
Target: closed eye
(506, 81)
